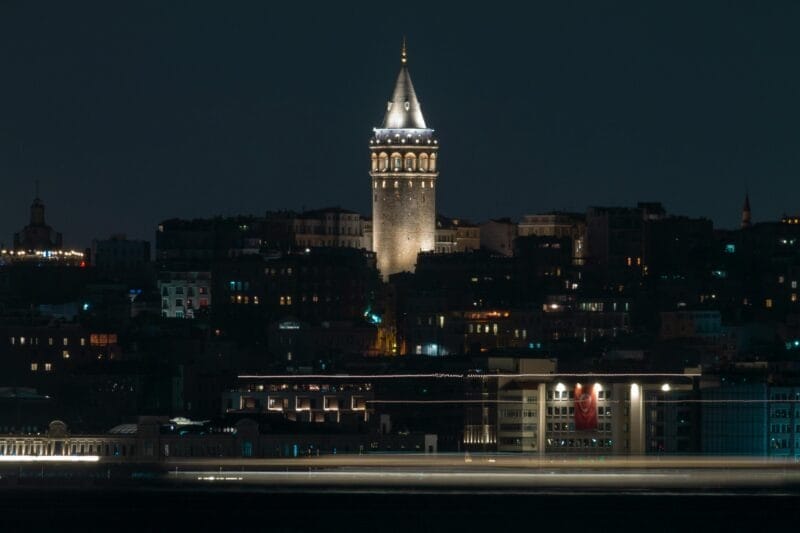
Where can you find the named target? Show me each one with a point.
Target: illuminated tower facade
(404, 158)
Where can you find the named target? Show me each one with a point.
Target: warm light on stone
(403, 218)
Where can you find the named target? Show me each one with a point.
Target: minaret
(404, 169)
(746, 211)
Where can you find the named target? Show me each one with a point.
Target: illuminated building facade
(571, 225)
(324, 401)
(184, 294)
(404, 169)
(329, 227)
(155, 439)
(539, 411)
(34, 353)
(455, 235)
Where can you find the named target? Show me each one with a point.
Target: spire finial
(403, 52)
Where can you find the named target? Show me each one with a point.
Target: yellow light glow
(560, 387)
(665, 387)
(598, 387)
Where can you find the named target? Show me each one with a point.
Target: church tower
(404, 169)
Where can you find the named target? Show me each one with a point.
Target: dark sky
(130, 115)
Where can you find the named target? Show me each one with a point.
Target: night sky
(130, 115)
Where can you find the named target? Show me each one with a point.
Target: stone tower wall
(403, 210)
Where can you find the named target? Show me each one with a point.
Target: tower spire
(746, 214)
(403, 110)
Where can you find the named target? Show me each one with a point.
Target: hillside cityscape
(406, 368)
(291, 334)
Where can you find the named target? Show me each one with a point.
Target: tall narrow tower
(746, 211)
(404, 169)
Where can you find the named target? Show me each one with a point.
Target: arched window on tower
(384, 162)
(432, 164)
(423, 162)
(374, 162)
(397, 162)
(411, 162)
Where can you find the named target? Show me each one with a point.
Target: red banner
(585, 407)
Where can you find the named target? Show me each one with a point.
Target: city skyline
(559, 108)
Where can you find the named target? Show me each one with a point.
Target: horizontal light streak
(49, 458)
(564, 402)
(463, 376)
(515, 402)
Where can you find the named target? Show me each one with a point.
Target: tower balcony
(403, 137)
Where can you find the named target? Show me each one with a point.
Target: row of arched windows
(422, 184)
(398, 163)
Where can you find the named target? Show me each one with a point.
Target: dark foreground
(131, 509)
(401, 493)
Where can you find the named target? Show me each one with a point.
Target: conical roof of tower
(403, 110)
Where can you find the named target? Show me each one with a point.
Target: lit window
(65, 354)
(768, 303)
(22, 341)
(794, 284)
(65, 341)
(50, 341)
(34, 367)
(83, 341)
(48, 367)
